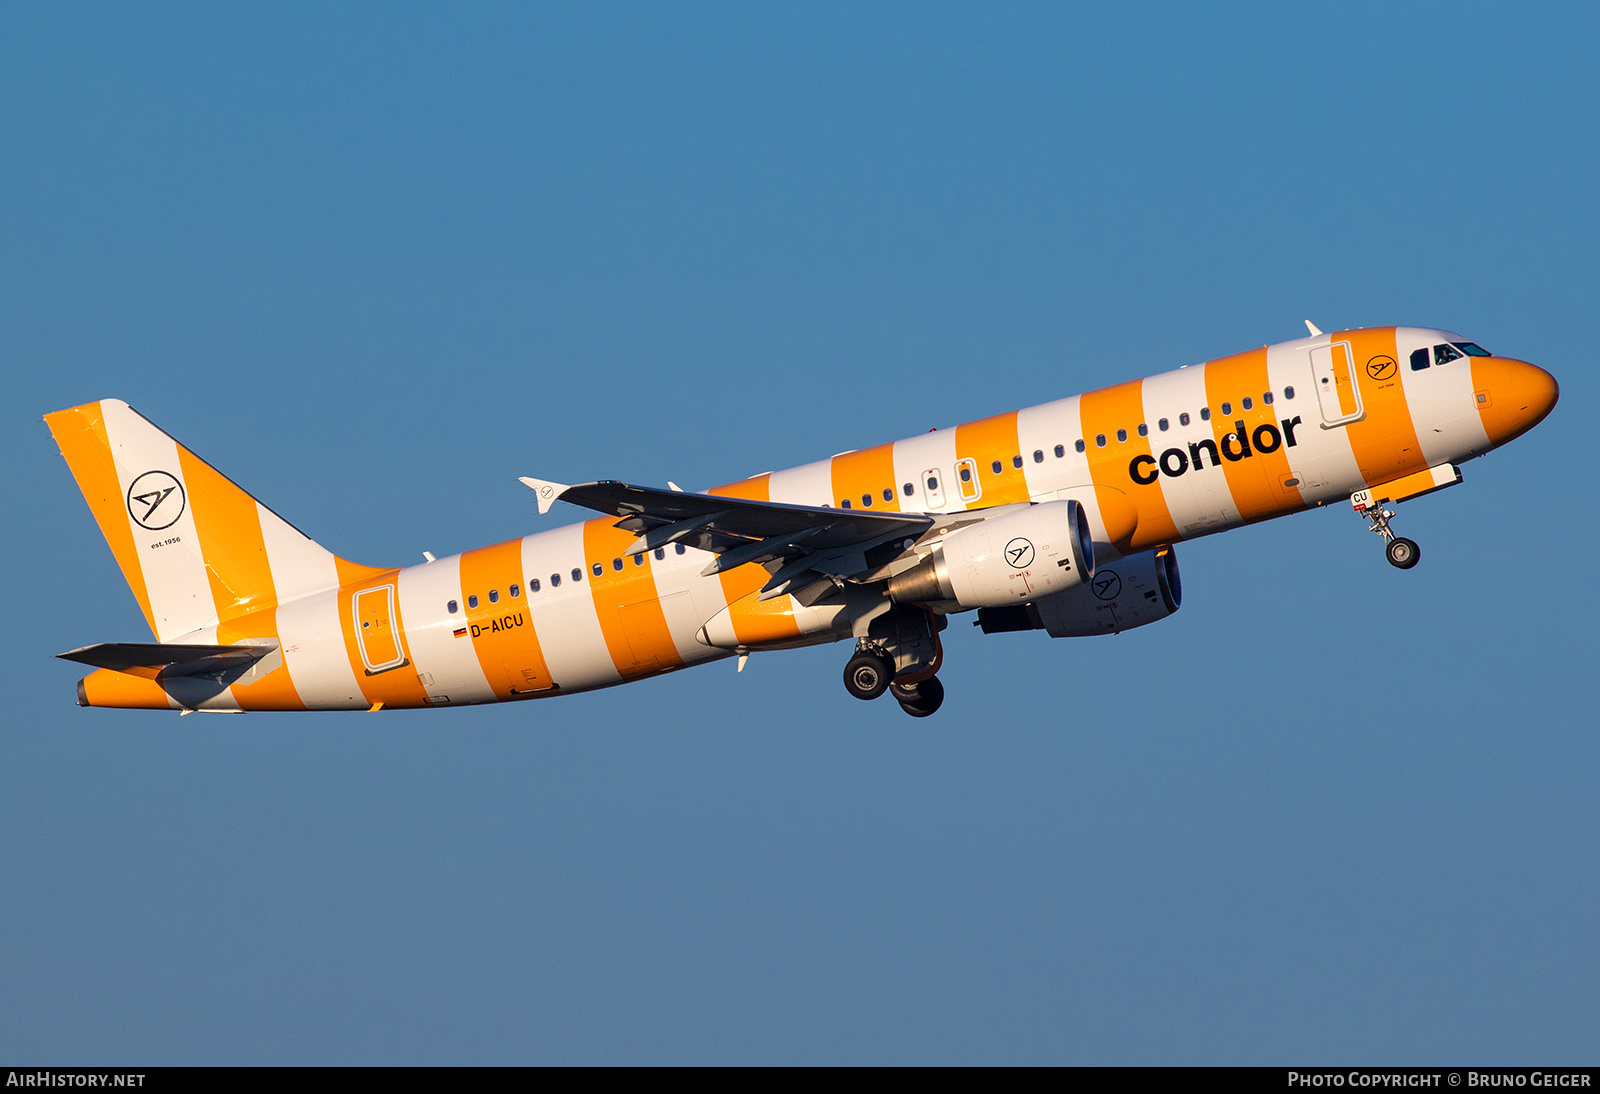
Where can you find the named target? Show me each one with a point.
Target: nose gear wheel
(1402, 553)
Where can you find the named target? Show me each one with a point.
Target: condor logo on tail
(151, 503)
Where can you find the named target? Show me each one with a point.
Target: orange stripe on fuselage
(396, 687)
(275, 690)
(988, 441)
(502, 633)
(627, 603)
(1384, 441)
(80, 434)
(1253, 474)
(229, 526)
(862, 479)
(756, 623)
(1102, 413)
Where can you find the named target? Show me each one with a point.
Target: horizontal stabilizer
(157, 660)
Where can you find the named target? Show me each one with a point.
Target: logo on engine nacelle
(1106, 584)
(1019, 553)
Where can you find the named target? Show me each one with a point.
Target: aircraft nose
(1513, 396)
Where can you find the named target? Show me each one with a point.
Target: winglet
(546, 492)
(1312, 327)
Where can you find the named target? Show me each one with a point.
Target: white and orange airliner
(1060, 517)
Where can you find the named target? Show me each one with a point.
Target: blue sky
(375, 262)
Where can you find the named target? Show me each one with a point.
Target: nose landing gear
(1402, 553)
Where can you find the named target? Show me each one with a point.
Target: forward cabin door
(1334, 376)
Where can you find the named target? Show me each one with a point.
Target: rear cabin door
(375, 630)
(1337, 393)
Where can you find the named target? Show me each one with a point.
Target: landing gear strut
(1402, 553)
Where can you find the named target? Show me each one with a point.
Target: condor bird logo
(1106, 584)
(1019, 553)
(155, 500)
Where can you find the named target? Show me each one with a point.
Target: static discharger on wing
(1061, 517)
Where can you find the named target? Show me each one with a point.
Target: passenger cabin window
(1162, 425)
(866, 501)
(577, 573)
(1205, 414)
(1016, 461)
(1183, 419)
(1227, 408)
(1099, 440)
(1445, 353)
(1288, 392)
(933, 483)
(1077, 445)
(966, 474)
(1038, 455)
(555, 580)
(452, 606)
(616, 564)
(1246, 403)
(1266, 398)
(995, 467)
(638, 559)
(516, 591)
(1122, 435)
(1144, 430)
(494, 596)
(599, 568)
(678, 547)
(1419, 359)
(661, 553)
(1061, 450)
(844, 503)
(888, 493)
(907, 489)
(533, 584)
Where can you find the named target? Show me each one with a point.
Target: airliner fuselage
(1060, 516)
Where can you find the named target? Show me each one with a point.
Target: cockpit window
(1445, 352)
(1419, 359)
(1472, 349)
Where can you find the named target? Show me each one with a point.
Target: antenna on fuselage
(1312, 327)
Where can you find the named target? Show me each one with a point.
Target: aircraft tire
(921, 699)
(1403, 553)
(867, 675)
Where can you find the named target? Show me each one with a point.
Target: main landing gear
(900, 655)
(870, 673)
(1402, 553)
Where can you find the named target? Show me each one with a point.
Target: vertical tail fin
(195, 548)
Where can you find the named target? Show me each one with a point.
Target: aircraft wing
(801, 545)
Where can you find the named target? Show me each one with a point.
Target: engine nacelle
(1008, 559)
(1124, 594)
